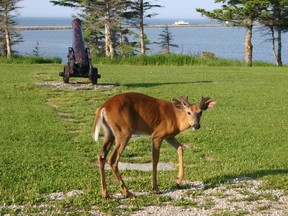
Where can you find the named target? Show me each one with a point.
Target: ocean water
(224, 42)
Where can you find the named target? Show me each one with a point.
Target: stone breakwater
(24, 28)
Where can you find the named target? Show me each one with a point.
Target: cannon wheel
(93, 72)
(68, 67)
(94, 75)
(66, 74)
(70, 59)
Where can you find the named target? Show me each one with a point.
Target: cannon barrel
(79, 57)
(78, 44)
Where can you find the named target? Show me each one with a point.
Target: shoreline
(24, 28)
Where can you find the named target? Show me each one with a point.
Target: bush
(207, 55)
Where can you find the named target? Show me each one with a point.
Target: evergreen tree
(135, 15)
(36, 51)
(242, 13)
(275, 19)
(8, 35)
(165, 40)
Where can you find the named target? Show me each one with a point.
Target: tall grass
(141, 60)
(172, 59)
(30, 60)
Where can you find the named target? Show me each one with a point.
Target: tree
(165, 40)
(126, 47)
(239, 13)
(136, 14)
(8, 34)
(275, 20)
(36, 51)
(103, 11)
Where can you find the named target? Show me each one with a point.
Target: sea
(224, 42)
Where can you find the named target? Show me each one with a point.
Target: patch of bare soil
(75, 85)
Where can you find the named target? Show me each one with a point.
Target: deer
(134, 113)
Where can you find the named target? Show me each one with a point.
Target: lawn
(47, 147)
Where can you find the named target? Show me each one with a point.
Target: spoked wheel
(66, 74)
(94, 75)
(69, 67)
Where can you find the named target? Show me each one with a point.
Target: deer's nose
(196, 126)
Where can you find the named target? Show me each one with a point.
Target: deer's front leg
(155, 159)
(172, 141)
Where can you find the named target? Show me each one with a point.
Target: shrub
(207, 55)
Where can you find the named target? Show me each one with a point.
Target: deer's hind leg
(121, 140)
(108, 141)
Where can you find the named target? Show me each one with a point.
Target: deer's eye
(189, 113)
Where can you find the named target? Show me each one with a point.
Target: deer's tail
(99, 115)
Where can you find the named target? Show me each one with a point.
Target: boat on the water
(181, 22)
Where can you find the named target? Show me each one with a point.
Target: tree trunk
(279, 47)
(109, 51)
(7, 39)
(273, 45)
(278, 55)
(141, 27)
(248, 46)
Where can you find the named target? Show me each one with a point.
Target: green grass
(173, 59)
(46, 143)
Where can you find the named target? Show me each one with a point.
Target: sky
(181, 9)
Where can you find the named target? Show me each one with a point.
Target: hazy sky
(172, 8)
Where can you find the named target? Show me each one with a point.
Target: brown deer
(132, 113)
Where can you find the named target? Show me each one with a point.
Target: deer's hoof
(157, 191)
(106, 196)
(129, 195)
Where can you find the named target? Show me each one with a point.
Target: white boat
(181, 22)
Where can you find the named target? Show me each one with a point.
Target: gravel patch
(142, 166)
(75, 85)
(61, 195)
(241, 196)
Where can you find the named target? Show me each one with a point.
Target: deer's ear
(209, 105)
(185, 101)
(177, 104)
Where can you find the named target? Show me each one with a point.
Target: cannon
(79, 58)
